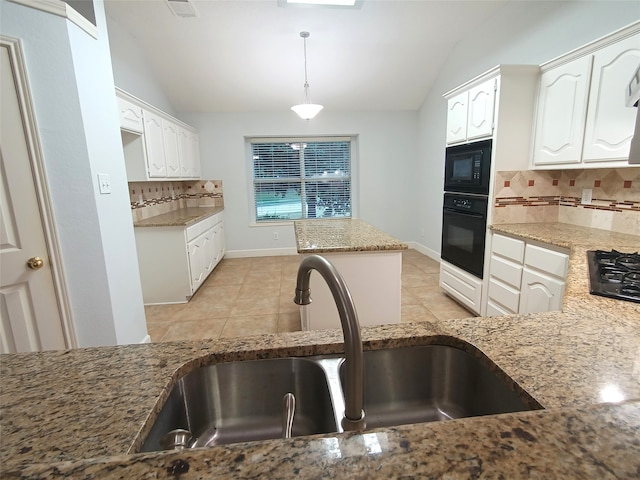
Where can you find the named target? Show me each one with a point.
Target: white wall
(520, 33)
(72, 88)
(384, 182)
(131, 70)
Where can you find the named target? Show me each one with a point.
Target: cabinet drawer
(194, 230)
(545, 260)
(508, 247)
(504, 295)
(494, 310)
(506, 271)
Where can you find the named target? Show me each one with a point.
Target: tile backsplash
(155, 198)
(532, 196)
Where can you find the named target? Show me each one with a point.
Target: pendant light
(306, 110)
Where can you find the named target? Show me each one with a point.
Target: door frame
(43, 195)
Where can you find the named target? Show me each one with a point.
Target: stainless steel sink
(243, 401)
(434, 382)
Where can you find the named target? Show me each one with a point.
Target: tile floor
(249, 296)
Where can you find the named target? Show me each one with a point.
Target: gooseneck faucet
(354, 381)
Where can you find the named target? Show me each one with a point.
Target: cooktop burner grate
(614, 274)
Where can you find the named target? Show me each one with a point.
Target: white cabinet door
(480, 111)
(562, 106)
(130, 116)
(193, 143)
(154, 144)
(457, 118)
(171, 153)
(610, 123)
(197, 258)
(539, 292)
(184, 153)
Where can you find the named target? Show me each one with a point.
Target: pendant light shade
(306, 110)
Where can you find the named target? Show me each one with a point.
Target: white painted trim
(41, 184)
(262, 252)
(61, 9)
(591, 47)
(146, 339)
(424, 250)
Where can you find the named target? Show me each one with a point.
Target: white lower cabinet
(524, 277)
(461, 285)
(175, 261)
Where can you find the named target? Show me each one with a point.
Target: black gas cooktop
(614, 274)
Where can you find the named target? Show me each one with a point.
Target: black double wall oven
(464, 216)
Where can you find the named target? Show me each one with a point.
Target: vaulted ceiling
(247, 56)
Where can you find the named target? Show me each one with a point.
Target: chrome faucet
(354, 381)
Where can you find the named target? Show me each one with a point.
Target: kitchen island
(84, 413)
(369, 260)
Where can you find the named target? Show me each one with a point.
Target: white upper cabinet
(457, 118)
(562, 106)
(582, 120)
(170, 133)
(160, 147)
(610, 122)
(470, 113)
(130, 116)
(480, 111)
(154, 144)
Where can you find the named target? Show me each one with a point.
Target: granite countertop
(182, 217)
(83, 413)
(342, 235)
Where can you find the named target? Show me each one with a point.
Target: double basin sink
(243, 401)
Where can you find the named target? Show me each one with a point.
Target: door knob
(35, 263)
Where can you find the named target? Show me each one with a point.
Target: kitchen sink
(432, 383)
(243, 401)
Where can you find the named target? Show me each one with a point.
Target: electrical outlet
(275, 235)
(587, 196)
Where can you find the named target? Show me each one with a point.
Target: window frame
(249, 140)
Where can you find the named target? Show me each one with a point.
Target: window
(301, 178)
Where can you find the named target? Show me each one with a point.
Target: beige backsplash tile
(555, 196)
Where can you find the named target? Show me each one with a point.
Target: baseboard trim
(262, 252)
(146, 339)
(424, 250)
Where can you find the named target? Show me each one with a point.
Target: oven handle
(464, 214)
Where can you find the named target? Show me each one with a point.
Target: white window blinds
(301, 178)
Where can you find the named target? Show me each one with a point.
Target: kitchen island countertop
(342, 235)
(88, 409)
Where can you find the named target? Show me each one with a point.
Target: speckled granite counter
(77, 414)
(182, 217)
(342, 235)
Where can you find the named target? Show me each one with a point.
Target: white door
(562, 107)
(29, 310)
(610, 122)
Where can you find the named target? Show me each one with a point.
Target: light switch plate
(587, 196)
(104, 183)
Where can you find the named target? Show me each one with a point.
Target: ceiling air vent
(182, 8)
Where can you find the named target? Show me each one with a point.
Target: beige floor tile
(160, 313)
(249, 296)
(245, 307)
(250, 325)
(195, 330)
(416, 313)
